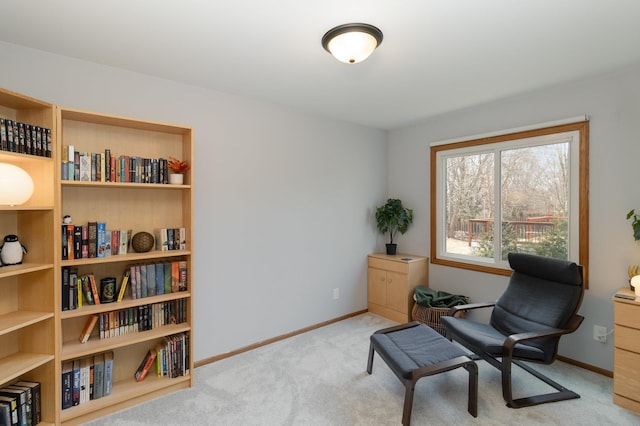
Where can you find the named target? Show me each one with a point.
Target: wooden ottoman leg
(472, 368)
(408, 402)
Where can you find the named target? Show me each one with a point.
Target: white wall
(613, 103)
(283, 200)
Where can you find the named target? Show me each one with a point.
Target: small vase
(176, 179)
(391, 249)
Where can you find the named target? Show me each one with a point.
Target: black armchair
(539, 305)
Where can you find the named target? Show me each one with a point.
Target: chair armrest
(469, 307)
(514, 339)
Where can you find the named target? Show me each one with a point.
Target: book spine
(94, 289)
(93, 239)
(144, 367)
(65, 288)
(101, 238)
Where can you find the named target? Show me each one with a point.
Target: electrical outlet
(600, 333)
(336, 293)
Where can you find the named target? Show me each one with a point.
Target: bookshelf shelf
(126, 392)
(74, 349)
(130, 206)
(18, 364)
(113, 185)
(27, 304)
(124, 304)
(127, 258)
(24, 268)
(20, 319)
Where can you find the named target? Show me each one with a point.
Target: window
(525, 191)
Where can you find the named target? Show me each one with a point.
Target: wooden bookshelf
(27, 306)
(121, 205)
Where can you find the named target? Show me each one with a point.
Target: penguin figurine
(11, 250)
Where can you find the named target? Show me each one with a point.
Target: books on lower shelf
(137, 281)
(141, 318)
(170, 358)
(21, 403)
(86, 379)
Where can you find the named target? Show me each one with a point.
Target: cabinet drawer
(627, 338)
(389, 265)
(627, 314)
(626, 376)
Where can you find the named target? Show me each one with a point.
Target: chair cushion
(479, 336)
(415, 347)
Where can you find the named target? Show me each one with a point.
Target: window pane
(535, 200)
(469, 204)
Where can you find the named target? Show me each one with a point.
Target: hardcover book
(108, 373)
(76, 381)
(93, 239)
(67, 384)
(101, 239)
(94, 289)
(11, 401)
(85, 167)
(123, 284)
(151, 279)
(88, 328)
(36, 400)
(98, 376)
(145, 365)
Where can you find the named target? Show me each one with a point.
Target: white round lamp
(16, 186)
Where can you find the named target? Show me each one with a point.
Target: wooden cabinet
(134, 206)
(626, 353)
(391, 280)
(27, 300)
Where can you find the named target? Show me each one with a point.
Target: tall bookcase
(129, 206)
(28, 330)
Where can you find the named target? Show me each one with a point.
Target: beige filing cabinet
(626, 353)
(391, 281)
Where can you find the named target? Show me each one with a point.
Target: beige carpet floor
(319, 378)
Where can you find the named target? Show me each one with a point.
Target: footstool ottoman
(413, 351)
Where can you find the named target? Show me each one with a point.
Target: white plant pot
(176, 179)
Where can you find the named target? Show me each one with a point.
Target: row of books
(133, 320)
(21, 404)
(24, 138)
(138, 281)
(171, 358)
(87, 378)
(95, 240)
(106, 167)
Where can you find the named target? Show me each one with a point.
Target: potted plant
(178, 168)
(635, 223)
(393, 217)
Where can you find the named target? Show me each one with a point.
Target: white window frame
(578, 236)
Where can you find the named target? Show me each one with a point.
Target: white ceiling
(436, 56)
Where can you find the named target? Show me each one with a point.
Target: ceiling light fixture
(352, 43)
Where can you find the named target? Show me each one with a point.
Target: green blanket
(430, 298)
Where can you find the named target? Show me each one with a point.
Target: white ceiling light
(352, 43)
(16, 186)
